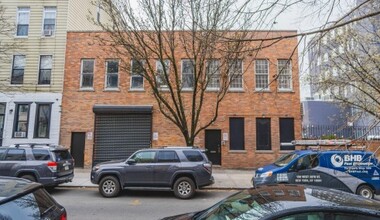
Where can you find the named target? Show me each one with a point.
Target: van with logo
(352, 171)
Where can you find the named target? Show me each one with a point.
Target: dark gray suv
(43, 163)
(180, 169)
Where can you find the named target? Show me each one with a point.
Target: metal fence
(347, 132)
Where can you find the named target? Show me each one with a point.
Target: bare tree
(351, 74)
(6, 33)
(179, 49)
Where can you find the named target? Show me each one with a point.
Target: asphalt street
(87, 203)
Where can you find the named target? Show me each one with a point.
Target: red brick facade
(77, 114)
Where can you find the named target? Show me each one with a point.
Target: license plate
(66, 168)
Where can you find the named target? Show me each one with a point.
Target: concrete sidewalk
(224, 179)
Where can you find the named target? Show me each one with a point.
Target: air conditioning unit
(20, 134)
(48, 32)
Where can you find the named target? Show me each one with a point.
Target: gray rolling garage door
(120, 131)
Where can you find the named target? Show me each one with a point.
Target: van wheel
(109, 186)
(184, 188)
(29, 177)
(365, 191)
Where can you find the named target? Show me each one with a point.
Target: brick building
(102, 123)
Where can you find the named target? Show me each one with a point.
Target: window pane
(112, 80)
(193, 156)
(112, 73)
(167, 156)
(112, 66)
(22, 30)
(187, 74)
(43, 121)
(137, 67)
(87, 80)
(213, 74)
(19, 62)
(88, 66)
(144, 157)
(87, 73)
(137, 82)
(235, 73)
(237, 133)
(263, 134)
(17, 77)
(2, 108)
(40, 154)
(262, 73)
(161, 78)
(44, 77)
(285, 74)
(46, 62)
(26, 206)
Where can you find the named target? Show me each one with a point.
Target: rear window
(36, 205)
(193, 156)
(62, 155)
(41, 154)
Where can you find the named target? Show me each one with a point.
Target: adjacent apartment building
(31, 74)
(106, 115)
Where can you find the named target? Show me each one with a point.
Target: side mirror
(131, 161)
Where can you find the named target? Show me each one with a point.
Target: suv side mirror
(131, 161)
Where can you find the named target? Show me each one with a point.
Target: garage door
(120, 132)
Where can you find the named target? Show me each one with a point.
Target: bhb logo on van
(347, 160)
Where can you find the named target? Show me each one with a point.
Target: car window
(285, 159)
(193, 155)
(15, 154)
(2, 154)
(307, 162)
(144, 157)
(167, 156)
(36, 205)
(351, 216)
(62, 155)
(41, 154)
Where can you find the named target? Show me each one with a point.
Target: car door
(13, 160)
(167, 164)
(140, 172)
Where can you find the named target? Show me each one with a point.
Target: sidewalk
(224, 179)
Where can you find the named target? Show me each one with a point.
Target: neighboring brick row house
(107, 114)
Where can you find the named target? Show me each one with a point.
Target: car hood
(111, 162)
(270, 167)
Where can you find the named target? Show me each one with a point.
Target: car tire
(109, 186)
(184, 188)
(365, 191)
(29, 177)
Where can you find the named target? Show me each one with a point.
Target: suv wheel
(365, 191)
(29, 177)
(184, 188)
(109, 186)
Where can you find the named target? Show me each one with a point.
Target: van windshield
(285, 159)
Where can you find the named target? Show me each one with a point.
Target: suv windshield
(285, 159)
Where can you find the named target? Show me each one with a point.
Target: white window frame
(133, 75)
(81, 75)
(231, 77)
(182, 73)
(262, 74)
(39, 69)
(19, 11)
(215, 76)
(162, 85)
(116, 73)
(283, 76)
(49, 9)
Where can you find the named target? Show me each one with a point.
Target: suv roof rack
(32, 144)
(180, 147)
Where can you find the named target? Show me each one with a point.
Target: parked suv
(180, 169)
(43, 163)
(22, 199)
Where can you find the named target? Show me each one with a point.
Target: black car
(23, 199)
(180, 169)
(47, 164)
(289, 202)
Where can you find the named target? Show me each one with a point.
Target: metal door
(77, 147)
(213, 146)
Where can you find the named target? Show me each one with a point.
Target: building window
(87, 73)
(237, 134)
(50, 14)
(213, 74)
(187, 74)
(261, 74)
(162, 73)
(46, 64)
(263, 134)
(23, 21)
(284, 75)
(137, 72)
(236, 74)
(42, 126)
(286, 133)
(112, 74)
(18, 68)
(21, 121)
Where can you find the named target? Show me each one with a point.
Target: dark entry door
(213, 146)
(77, 147)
